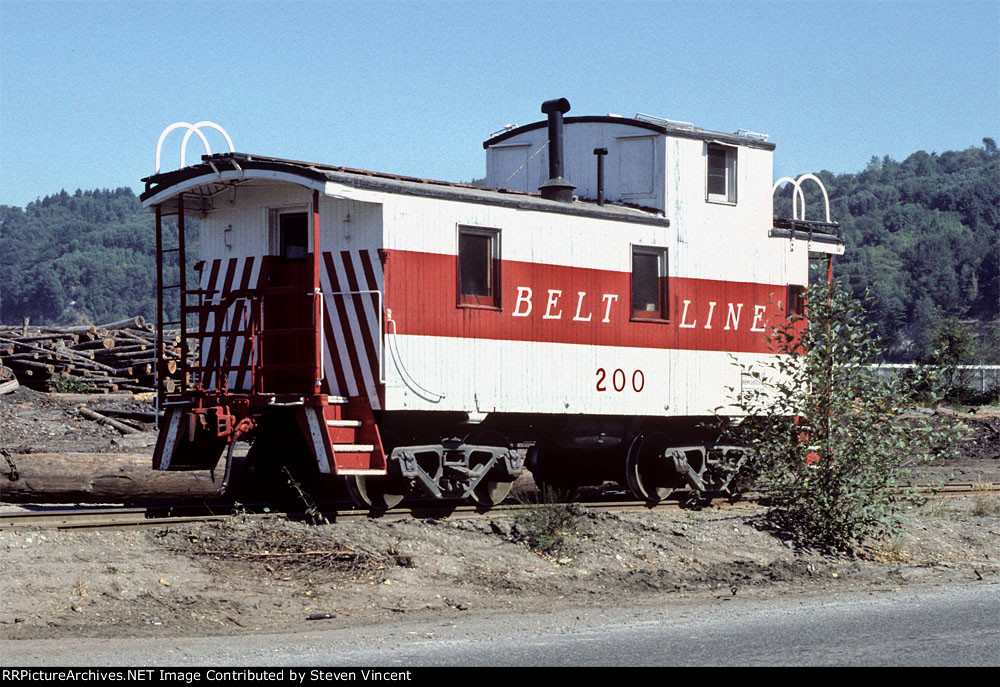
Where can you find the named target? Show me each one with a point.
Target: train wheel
(648, 473)
(496, 486)
(547, 466)
(375, 492)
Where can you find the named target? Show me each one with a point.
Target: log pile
(117, 356)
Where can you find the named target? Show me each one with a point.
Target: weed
(937, 509)
(312, 512)
(892, 551)
(986, 506)
(545, 524)
(72, 385)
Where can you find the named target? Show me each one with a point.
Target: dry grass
(285, 552)
(892, 551)
(986, 506)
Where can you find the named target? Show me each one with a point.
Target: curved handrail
(796, 196)
(191, 129)
(197, 127)
(799, 197)
(826, 198)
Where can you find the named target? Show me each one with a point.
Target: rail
(162, 516)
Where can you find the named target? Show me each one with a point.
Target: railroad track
(160, 516)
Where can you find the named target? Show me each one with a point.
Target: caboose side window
(649, 283)
(721, 183)
(796, 299)
(478, 267)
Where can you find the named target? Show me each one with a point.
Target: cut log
(104, 419)
(138, 415)
(101, 343)
(28, 365)
(131, 336)
(99, 478)
(8, 382)
(138, 388)
(128, 348)
(86, 398)
(137, 322)
(53, 336)
(88, 330)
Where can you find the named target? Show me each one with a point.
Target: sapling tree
(824, 428)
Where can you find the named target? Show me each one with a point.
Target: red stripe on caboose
(576, 305)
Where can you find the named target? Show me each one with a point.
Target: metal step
(353, 448)
(343, 423)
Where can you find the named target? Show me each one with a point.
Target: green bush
(72, 385)
(825, 434)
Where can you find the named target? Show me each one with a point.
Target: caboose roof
(681, 129)
(219, 171)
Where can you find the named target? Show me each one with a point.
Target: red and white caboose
(407, 334)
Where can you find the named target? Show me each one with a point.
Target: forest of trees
(924, 233)
(86, 257)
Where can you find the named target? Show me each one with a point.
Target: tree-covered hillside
(926, 233)
(82, 257)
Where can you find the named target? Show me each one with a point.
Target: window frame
(275, 238)
(492, 301)
(662, 254)
(731, 167)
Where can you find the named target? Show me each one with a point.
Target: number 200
(619, 380)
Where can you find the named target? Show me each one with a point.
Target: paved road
(937, 626)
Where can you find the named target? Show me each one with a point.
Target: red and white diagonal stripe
(351, 359)
(351, 283)
(217, 345)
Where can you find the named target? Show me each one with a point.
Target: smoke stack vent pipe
(556, 188)
(600, 153)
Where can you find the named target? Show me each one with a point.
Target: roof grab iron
(191, 129)
(799, 197)
(752, 134)
(672, 122)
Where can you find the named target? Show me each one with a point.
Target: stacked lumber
(117, 356)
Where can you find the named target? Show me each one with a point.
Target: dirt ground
(250, 574)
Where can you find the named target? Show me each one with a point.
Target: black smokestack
(600, 153)
(556, 188)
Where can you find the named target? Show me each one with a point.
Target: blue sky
(415, 87)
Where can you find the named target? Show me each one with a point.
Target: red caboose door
(288, 333)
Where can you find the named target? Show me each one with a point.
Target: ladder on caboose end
(191, 376)
(161, 372)
(214, 326)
